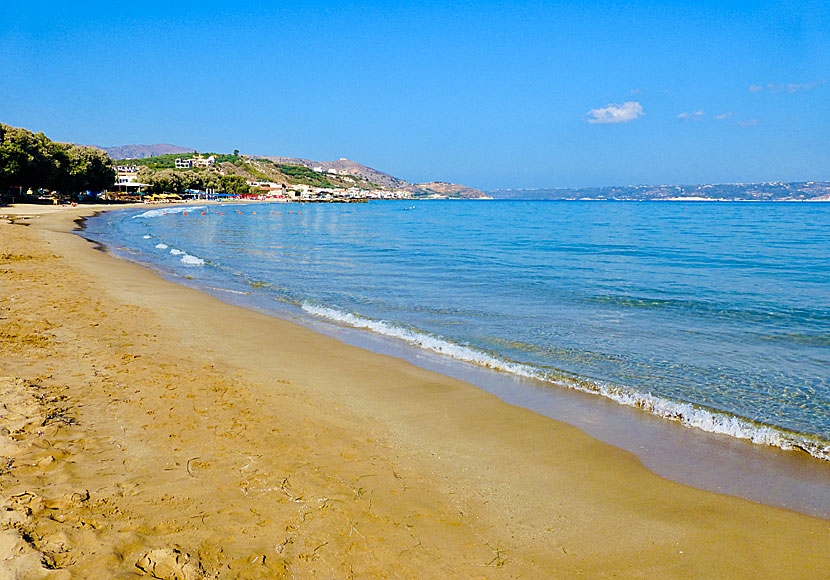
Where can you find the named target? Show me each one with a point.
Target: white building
(203, 162)
(197, 161)
(126, 179)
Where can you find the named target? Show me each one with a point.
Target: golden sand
(147, 429)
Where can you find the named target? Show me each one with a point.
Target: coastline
(715, 460)
(356, 461)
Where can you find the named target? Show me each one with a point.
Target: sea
(714, 316)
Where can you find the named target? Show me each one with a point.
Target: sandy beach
(149, 430)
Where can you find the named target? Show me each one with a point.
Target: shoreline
(755, 463)
(419, 474)
(792, 479)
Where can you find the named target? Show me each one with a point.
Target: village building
(266, 186)
(126, 179)
(198, 162)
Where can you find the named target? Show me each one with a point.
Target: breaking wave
(192, 260)
(687, 414)
(154, 213)
(185, 257)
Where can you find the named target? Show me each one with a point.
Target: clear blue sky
(521, 94)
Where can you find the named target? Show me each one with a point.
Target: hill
(346, 167)
(343, 167)
(143, 151)
(444, 189)
(767, 191)
(289, 170)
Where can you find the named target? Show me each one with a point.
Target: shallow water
(716, 315)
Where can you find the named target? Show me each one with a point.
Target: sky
(487, 94)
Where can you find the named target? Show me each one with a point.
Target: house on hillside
(204, 162)
(198, 161)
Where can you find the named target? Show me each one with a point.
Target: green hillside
(161, 172)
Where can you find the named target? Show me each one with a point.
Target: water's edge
(710, 455)
(687, 414)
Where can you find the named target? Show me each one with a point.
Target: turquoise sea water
(716, 315)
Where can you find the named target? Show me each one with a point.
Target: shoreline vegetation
(31, 163)
(144, 435)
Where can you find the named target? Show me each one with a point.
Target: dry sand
(149, 429)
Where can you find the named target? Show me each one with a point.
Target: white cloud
(786, 87)
(693, 116)
(750, 123)
(724, 116)
(796, 87)
(623, 113)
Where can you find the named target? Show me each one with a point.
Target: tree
(31, 160)
(25, 159)
(211, 180)
(86, 169)
(166, 180)
(145, 175)
(235, 185)
(190, 180)
(236, 152)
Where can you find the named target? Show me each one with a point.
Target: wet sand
(149, 429)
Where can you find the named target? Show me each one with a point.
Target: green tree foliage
(235, 185)
(302, 174)
(26, 159)
(223, 157)
(179, 181)
(166, 161)
(211, 180)
(166, 180)
(31, 160)
(86, 169)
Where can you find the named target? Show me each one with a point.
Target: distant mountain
(142, 151)
(767, 191)
(444, 189)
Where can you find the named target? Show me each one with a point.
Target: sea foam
(187, 258)
(192, 260)
(154, 213)
(687, 414)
